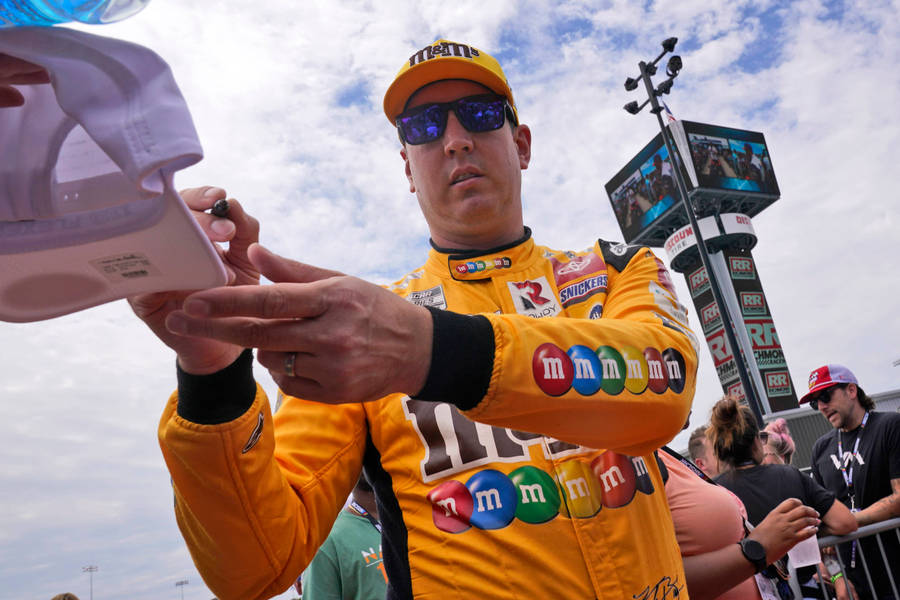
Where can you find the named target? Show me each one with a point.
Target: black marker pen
(220, 208)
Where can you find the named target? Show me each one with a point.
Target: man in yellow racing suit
(504, 399)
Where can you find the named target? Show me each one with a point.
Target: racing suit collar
(470, 265)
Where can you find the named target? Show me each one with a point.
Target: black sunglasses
(426, 123)
(825, 397)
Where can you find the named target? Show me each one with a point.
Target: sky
(286, 98)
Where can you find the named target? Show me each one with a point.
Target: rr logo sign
(699, 282)
(753, 303)
(762, 334)
(709, 316)
(741, 267)
(778, 383)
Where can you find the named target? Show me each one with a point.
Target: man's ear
(405, 157)
(522, 139)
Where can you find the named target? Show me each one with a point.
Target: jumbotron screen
(644, 190)
(729, 169)
(730, 159)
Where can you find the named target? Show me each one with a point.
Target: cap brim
(171, 254)
(409, 82)
(816, 389)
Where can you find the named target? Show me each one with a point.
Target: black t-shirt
(877, 462)
(879, 449)
(763, 487)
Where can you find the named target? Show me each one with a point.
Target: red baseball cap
(826, 377)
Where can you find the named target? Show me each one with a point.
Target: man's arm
(355, 341)
(256, 495)
(882, 510)
(642, 334)
(838, 520)
(250, 519)
(711, 574)
(889, 506)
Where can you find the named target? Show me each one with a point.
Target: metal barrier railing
(876, 530)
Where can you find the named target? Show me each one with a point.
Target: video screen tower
(700, 180)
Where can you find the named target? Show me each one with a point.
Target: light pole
(180, 584)
(647, 70)
(91, 569)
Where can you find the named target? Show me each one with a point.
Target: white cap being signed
(88, 211)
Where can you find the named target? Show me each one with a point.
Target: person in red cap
(860, 462)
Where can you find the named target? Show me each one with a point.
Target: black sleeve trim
(218, 397)
(462, 359)
(663, 469)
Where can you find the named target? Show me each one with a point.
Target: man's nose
(456, 137)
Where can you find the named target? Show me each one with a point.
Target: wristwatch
(754, 552)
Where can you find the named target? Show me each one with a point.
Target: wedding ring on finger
(289, 364)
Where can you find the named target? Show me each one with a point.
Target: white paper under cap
(88, 211)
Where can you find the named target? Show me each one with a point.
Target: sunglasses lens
(481, 115)
(475, 113)
(814, 404)
(424, 126)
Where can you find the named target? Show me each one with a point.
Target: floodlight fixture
(673, 66)
(669, 44)
(631, 84)
(632, 107)
(664, 88)
(651, 69)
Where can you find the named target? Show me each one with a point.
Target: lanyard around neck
(848, 473)
(357, 507)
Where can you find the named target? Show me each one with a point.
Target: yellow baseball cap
(444, 59)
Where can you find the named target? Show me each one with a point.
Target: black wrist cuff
(462, 359)
(218, 397)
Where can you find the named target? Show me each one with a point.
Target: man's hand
(353, 340)
(14, 71)
(788, 523)
(203, 355)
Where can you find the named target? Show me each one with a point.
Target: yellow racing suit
(523, 469)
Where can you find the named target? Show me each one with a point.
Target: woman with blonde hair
(778, 445)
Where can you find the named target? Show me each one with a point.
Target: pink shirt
(707, 517)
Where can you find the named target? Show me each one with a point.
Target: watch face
(754, 552)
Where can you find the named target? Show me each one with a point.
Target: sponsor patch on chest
(534, 297)
(433, 297)
(579, 291)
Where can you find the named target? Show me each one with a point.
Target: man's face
(468, 184)
(839, 404)
(707, 460)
